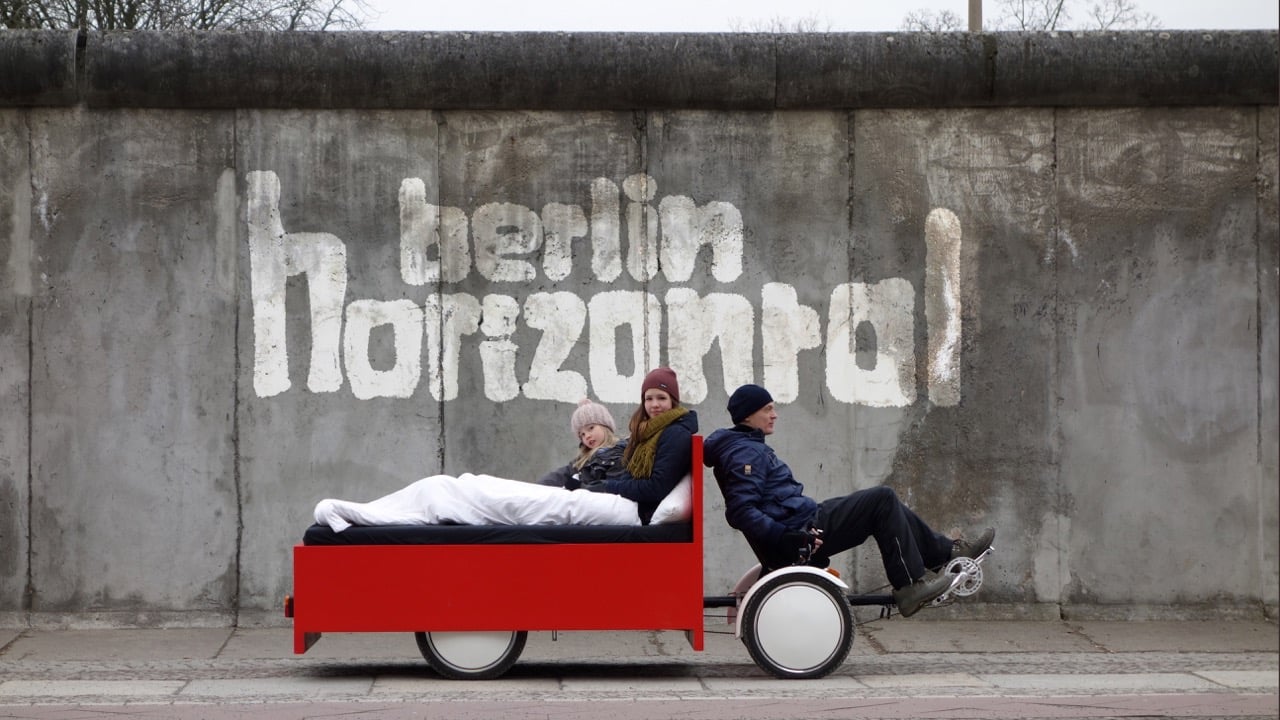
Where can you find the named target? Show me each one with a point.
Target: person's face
(762, 419)
(593, 435)
(656, 402)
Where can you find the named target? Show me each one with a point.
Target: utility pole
(975, 16)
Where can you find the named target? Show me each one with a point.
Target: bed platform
(496, 534)
(480, 578)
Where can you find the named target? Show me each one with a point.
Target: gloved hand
(797, 545)
(573, 483)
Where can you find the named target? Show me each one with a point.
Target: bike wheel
(471, 655)
(798, 627)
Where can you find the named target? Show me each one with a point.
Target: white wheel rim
(799, 626)
(471, 651)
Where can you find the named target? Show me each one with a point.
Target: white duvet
(480, 500)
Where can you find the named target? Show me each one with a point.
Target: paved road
(898, 668)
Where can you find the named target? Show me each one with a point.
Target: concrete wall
(1027, 280)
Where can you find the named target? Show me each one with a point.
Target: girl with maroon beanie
(659, 451)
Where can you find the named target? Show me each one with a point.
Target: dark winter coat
(606, 462)
(761, 497)
(673, 460)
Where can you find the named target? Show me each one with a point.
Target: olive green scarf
(645, 447)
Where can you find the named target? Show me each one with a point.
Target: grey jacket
(606, 463)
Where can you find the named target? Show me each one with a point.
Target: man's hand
(800, 545)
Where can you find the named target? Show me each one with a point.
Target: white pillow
(677, 506)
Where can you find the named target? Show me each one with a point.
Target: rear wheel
(798, 626)
(471, 655)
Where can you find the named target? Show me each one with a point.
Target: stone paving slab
(278, 643)
(1111, 682)
(611, 646)
(1181, 636)
(88, 688)
(831, 683)
(877, 638)
(431, 684)
(901, 636)
(896, 658)
(275, 687)
(634, 687)
(43, 645)
(1243, 679)
(1189, 707)
(917, 681)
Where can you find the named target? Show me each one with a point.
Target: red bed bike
(472, 594)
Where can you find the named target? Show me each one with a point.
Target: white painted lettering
(642, 226)
(502, 230)
(606, 243)
(498, 352)
(424, 226)
(888, 306)
(561, 225)
(623, 328)
(693, 324)
(687, 227)
(942, 305)
(447, 318)
(607, 312)
(405, 319)
(274, 256)
(561, 317)
(786, 328)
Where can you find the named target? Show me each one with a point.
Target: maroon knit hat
(663, 379)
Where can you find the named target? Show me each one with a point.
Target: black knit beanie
(746, 400)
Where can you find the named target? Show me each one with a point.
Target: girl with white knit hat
(596, 433)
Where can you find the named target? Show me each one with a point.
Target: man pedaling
(784, 527)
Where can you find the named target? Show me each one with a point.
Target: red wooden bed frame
(438, 588)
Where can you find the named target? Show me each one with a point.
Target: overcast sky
(728, 15)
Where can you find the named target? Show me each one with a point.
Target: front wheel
(471, 655)
(798, 626)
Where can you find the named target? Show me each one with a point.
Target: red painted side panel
(393, 588)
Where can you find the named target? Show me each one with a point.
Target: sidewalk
(1231, 666)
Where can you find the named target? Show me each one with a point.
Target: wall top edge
(620, 71)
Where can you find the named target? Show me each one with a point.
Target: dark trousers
(907, 544)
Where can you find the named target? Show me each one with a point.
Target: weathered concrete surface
(39, 68)
(15, 369)
(436, 70)
(1086, 69)
(1058, 319)
(1157, 314)
(352, 449)
(996, 170)
(595, 71)
(1268, 351)
(133, 461)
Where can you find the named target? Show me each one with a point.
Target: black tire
(798, 626)
(471, 655)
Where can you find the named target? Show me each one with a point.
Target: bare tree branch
(1121, 15)
(1043, 15)
(184, 14)
(930, 21)
(781, 24)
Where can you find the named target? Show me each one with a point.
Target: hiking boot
(973, 548)
(911, 598)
